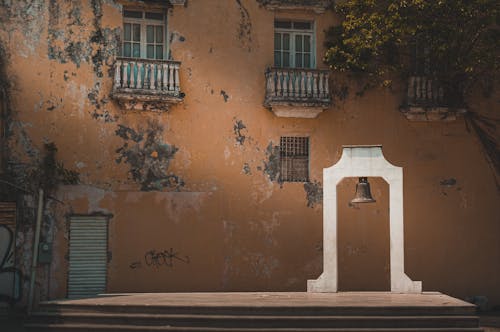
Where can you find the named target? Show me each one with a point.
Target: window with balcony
(428, 98)
(294, 159)
(294, 88)
(293, 44)
(145, 79)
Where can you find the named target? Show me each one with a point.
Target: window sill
(431, 114)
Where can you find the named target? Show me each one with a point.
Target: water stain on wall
(244, 31)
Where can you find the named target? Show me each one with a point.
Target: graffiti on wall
(157, 259)
(10, 276)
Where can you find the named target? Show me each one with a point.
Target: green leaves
(451, 39)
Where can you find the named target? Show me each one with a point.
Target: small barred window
(294, 159)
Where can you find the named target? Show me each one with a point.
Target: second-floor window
(293, 44)
(144, 34)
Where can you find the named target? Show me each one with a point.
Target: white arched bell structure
(363, 161)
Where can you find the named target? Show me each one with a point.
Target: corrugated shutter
(88, 246)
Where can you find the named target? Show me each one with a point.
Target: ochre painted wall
(224, 223)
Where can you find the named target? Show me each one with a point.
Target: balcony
(146, 85)
(426, 101)
(297, 93)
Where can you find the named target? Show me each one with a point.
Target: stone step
(67, 327)
(263, 310)
(258, 321)
(247, 312)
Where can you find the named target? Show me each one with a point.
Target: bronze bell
(363, 194)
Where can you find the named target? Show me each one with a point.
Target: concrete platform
(253, 312)
(327, 300)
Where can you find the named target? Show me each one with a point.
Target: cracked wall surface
(202, 180)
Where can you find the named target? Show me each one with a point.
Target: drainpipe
(35, 251)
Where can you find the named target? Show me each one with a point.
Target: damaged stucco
(314, 193)
(239, 131)
(272, 162)
(70, 39)
(148, 157)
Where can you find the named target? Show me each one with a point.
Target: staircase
(252, 316)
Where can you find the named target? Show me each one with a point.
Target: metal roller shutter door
(88, 246)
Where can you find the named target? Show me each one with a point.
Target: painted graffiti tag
(166, 258)
(135, 265)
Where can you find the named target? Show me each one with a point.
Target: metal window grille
(294, 159)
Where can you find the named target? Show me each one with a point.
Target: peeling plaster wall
(193, 192)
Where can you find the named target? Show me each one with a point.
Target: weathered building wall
(193, 193)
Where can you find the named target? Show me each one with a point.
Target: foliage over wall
(456, 42)
(452, 41)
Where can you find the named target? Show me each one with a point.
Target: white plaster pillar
(363, 161)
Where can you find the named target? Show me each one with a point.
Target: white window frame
(293, 32)
(144, 22)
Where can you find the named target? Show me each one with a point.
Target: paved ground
(491, 321)
(17, 326)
